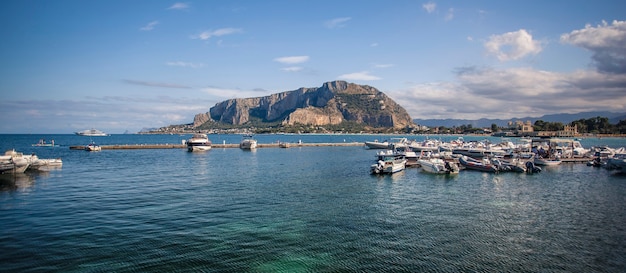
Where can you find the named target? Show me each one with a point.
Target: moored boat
(377, 145)
(618, 161)
(93, 147)
(438, 166)
(388, 162)
(13, 162)
(248, 142)
(546, 161)
(474, 164)
(198, 142)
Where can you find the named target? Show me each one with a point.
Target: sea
(300, 209)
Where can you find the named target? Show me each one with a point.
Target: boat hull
(438, 166)
(377, 145)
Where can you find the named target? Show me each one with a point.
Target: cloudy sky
(126, 65)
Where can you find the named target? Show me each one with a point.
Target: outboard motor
(531, 168)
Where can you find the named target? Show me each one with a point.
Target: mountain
(614, 118)
(331, 104)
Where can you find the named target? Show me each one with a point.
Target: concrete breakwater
(215, 146)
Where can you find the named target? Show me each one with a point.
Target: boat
(42, 143)
(91, 132)
(377, 145)
(473, 164)
(409, 154)
(438, 166)
(388, 162)
(198, 142)
(39, 164)
(93, 147)
(618, 161)
(13, 162)
(387, 144)
(248, 142)
(541, 161)
(515, 165)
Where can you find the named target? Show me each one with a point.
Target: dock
(215, 146)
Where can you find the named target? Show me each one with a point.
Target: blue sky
(125, 65)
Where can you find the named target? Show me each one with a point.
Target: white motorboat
(438, 166)
(91, 132)
(198, 142)
(387, 144)
(248, 142)
(409, 154)
(93, 147)
(540, 161)
(13, 162)
(377, 145)
(388, 162)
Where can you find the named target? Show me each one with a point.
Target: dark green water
(312, 209)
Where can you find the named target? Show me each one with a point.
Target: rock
(331, 104)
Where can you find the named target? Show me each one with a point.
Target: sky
(121, 66)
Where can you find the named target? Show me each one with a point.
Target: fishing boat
(42, 143)
(198, 142)
(388, 162)
(438, 166)
(91, 132)
(248, 142)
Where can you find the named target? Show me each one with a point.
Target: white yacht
(198, 142)
(248, 142)
(91, 132)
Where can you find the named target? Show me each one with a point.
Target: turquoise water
(309, 209)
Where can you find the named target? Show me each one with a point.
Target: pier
(215, 146)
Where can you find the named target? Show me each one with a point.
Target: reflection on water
(16, 182)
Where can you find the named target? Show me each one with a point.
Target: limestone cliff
(332, 103)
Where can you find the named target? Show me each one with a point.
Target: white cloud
(450, 15)
(156, 84)
(512, 45)
(179, 6)
(292, 69)
(292, 59)
(430, 7)
(607, 42)
(185, 64)
(337, 22)
(226, 93)
(205, 35)
(149, 26)
(382, 65)
(110, 114)
(359, 76)
(514, 93)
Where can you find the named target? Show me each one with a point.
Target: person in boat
(381, 164)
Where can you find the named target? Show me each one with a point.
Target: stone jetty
(214, 146)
